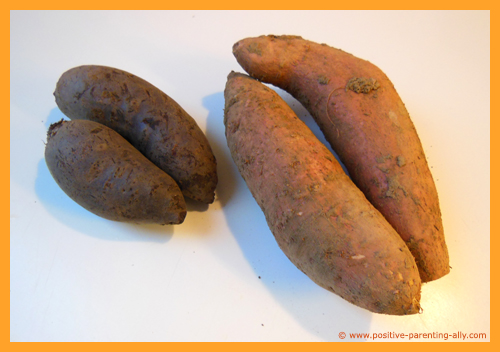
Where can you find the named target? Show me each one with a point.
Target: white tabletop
(220, 276)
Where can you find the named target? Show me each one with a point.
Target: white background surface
(220, 276)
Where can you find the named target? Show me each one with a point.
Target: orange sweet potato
(367, 124)
(320, 219)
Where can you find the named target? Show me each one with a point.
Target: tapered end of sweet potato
(53, 129)
(424, 251)
(262, 57)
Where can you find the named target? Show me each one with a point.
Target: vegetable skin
(148, 118)
(319, 218)
(105, 174)
(366, 123)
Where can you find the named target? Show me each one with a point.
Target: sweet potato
(149, 119)
(367, 124)
(106, 175)
(320, 219)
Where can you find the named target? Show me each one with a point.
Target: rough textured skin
(149, 119)
(367, 124)
(320, 219)
(106, 175)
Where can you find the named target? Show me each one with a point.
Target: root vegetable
(106, 175)
(320, 219)
(368, 126)
(149, 119)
